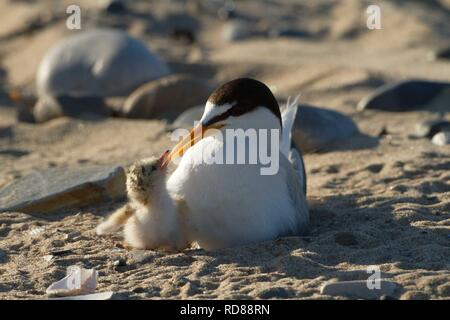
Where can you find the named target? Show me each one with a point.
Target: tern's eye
(153, 168)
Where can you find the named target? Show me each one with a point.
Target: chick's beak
(195, 135)
(162, 159)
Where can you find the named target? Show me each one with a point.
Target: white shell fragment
(95, 296)
(79, 281)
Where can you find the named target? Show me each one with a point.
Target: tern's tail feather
(288, 114)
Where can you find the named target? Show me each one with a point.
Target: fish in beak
(195, 135)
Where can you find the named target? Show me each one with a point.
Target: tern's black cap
(246, 94)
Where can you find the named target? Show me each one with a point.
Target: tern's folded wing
(295, 183)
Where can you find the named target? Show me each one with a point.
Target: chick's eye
(153, 168)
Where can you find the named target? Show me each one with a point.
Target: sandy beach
(379, 198)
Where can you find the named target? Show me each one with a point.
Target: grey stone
(78, 72)
(403, 96)
(166, 97)
(316, 128)
(359, 289)
(441, 138)
(101, 62)
(48, 108)
(58, 188)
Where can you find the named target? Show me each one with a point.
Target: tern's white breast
(231, 204)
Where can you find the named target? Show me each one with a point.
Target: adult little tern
(234, 204)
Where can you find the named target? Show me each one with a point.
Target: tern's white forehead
(212, 110)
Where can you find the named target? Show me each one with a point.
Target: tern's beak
(195, 135)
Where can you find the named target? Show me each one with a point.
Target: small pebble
(430, 128)
(441, 138)
(119, 262)
(57, 243)
(442, 53)
(74, 235)
(317, 128)
(2, 256)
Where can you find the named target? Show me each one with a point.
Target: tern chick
(149, 218)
